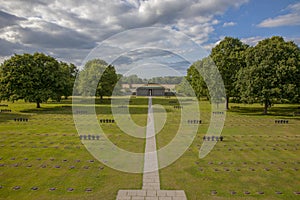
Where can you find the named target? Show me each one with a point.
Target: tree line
(38, 77)
(268, 72)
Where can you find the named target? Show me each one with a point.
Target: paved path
(151, 184)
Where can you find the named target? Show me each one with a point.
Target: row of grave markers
(249, 169)
(213, 192)
(281, 121)
(178, 107)
(246, 163)
(107, 121)
(188, 121)
(50, 189)
(197, 162)
(216, 149)
(81, 112)
(226, 169)
(89, 137)
(5, 110)
(55, 166)
(195, 121)
(218, 113)
(52, 159)
(20, 119)
(212, 138)
(239, 170)
(233, 192)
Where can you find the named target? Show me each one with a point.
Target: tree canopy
(107, 82)
(228, 56)
(196, 80)
(69, 72)
(35, 78)
(272, 72)
(184, 88)
(97, 79)
(267, 73)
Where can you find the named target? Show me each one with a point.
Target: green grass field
(256, 155)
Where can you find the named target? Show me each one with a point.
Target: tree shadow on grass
(65, 109)
(100, 110)
(132, 100)
(6, 117)
(286, 111)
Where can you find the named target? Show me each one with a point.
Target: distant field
(256, 155)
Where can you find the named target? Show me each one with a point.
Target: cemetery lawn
(256, 155)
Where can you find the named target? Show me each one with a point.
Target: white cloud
(290, 19)
(69, 25)
(210, 46)
(3, 58)
(252, 41)
(226, 24)
(295, 39)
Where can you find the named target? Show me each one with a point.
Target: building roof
(150, 86)
(134, 86)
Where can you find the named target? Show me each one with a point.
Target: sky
(69, 30)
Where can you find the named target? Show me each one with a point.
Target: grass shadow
(67, 109)
(6, 117)
(279, 111)
(105, 110)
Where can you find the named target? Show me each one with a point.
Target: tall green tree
(97, 79)
(229, 58)
(206, 80)
(272, 73)
(107, 82)
(69, 72)
(89, 77)
(196, 80)
(34, 78)
(118, 86)
(185, 88)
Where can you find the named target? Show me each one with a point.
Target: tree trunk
(38, 104)
(227, 102)
(266, 105)
(101, 97)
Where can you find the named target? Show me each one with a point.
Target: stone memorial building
(151, 90)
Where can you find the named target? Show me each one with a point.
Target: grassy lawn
(256, 155)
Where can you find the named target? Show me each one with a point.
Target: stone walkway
(151, 184)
